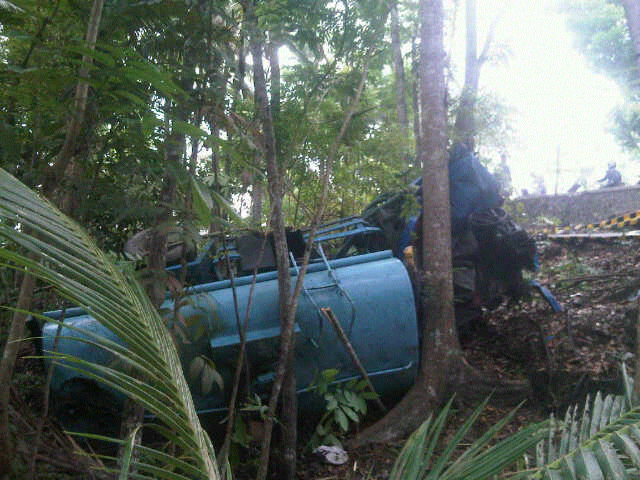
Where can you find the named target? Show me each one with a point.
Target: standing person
(503, 175)
(612, 177)
(539, 186)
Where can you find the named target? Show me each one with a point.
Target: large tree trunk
(632, 11)
(398, 67)
(51, 180)
(443, 369)
(439, 338)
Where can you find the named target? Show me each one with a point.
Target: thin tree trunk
(289, 305)
(56, 172)
(465, 124)
(216, 211)
(417, 129)
(274, 63)
(274, 178)
(9, 356)
(240, 361)
(257, 199)
(289, 415)
(636, 375)
(398, 67)
(632, 11)
(465, 116)
(50, 181)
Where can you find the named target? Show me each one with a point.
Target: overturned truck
(358, 275)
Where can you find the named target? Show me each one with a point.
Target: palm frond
(601, 442)
(479, 461)
(59, 252)
(7, 5)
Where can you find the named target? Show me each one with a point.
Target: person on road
(612, 177)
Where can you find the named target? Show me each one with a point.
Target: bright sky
(561, 103)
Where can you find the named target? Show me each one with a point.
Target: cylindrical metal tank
(371, 295)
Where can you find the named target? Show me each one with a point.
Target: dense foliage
(170, 133)
(602, 33)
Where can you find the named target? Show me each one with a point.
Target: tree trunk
(632, 11)
(289, 400)
(636, 373)
(56, 172)
(439, 338)
(398, 66)
(417, 129)
(274, 63)
(465, 116)
(257, 199)
(443, 369)
(51, 179)
(156, 290)
(9, 356)
(133, 412)
(465, 124)
(275, 182)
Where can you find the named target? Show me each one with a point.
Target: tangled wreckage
(358, 275)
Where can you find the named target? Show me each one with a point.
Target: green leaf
(351, 398)
(210, 376)
(360, 405)
(369, 395)
(476, 462)
(332, 440)
(342, 420)
(626, 445)
(195, 369)
(587, 465)
(351, 414)
(321, 430)
(125, 459)
(189, 129)
(608, 459)
(95, 54)
(332, 403)
(329, 375)
(202, 202)
(63, 255)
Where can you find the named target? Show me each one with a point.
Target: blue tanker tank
(370, 294)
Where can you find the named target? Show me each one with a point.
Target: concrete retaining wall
(584, 207)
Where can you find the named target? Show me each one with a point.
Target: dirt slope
(565, 354)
